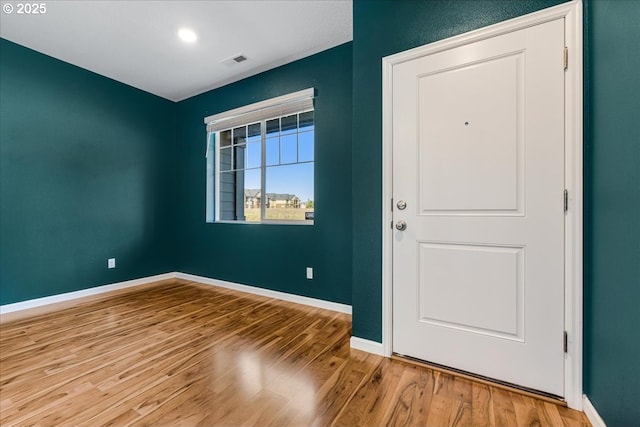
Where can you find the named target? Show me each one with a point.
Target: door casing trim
(573, 296)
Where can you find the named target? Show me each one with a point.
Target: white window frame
(259, 112)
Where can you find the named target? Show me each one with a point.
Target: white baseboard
(367, 345)
(594, 418)
(69, 296)
(327, 305)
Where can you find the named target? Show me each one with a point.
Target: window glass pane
(225, 159)
(289, 124)
(254, 130)
(289, 191)
(252, 195)
(227, 200)
(254, 155)
(305, 147)
(289, 148)
(273, 151)
(287, 156)
(239, 135)
(306, 120)
(254, 146)
(225, 138)
(239, 195)
(273, 127)
(238, 155)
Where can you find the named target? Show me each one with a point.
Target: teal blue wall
(93, 169)
(275, 256)
(381, 28)
(612, 210)
(85, 174)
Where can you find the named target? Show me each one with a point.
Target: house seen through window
(261, 162)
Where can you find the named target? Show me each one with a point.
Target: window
(260, 162)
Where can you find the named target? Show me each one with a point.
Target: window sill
(272, 222)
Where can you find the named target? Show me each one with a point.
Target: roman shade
(292, 103)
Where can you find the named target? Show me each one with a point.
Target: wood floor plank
(185, 354)
(503, 408)
(371, 400)
(406, 408)
(482, 411)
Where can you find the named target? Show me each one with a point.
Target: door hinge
(566, 57)
(566, 200)
(566, 342)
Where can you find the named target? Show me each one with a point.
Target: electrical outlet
(309, 273)
(111, 263)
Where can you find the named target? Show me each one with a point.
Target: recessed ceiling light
(187, 35)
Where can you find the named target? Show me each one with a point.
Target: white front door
(478, 163)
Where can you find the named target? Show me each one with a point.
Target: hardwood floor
(182, 354)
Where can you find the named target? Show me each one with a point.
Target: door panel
(478, 143)
(455, 135)
(452, 279)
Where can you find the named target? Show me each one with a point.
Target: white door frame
(572, 13)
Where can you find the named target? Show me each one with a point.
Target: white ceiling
(136, 42)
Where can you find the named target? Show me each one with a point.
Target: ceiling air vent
(235, 59)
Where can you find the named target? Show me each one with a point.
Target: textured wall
(275, 256)
(84, 176)
(612, 210)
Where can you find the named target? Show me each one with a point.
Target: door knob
(401, 225)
